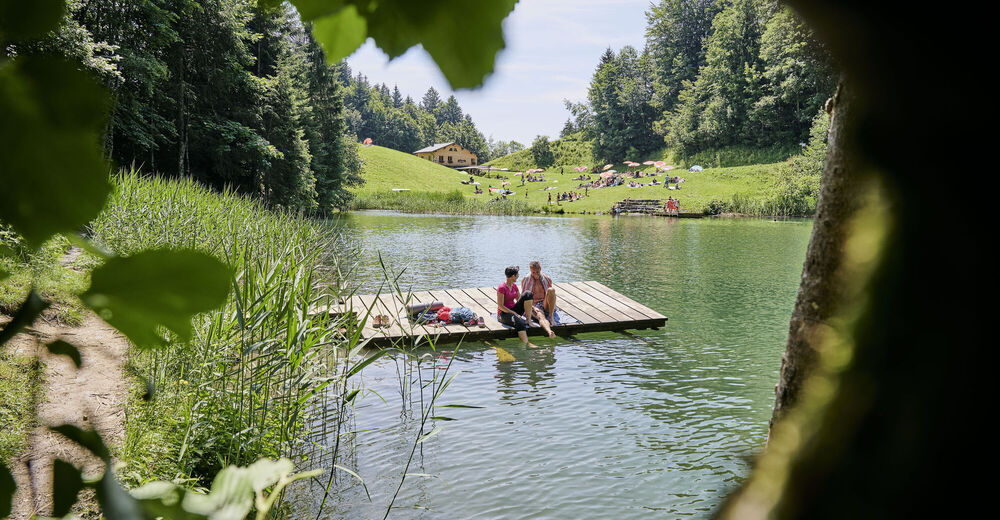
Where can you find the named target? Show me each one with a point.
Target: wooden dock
(583, 307)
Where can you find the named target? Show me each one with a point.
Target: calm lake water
(609, 426)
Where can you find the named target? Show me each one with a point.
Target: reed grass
(240, 389)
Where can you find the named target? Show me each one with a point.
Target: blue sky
(552, 50)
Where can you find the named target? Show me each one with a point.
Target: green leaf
(341, 33)
(116, 503)
(359, 366)
(458, 406)
(7, 488)
(442, 418)
(89, 439)
(21, 20)
(66, 486)
(433, 432)
(164, 500)
(32, 306)
(53, 173)
(160, 287)
(233, 489)
(442, 27)
(62, 348)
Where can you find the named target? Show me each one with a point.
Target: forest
(227, 92)
(727, 79)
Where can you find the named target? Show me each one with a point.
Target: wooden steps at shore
(583, 307)
(655, 207)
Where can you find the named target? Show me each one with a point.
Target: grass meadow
(434, 188)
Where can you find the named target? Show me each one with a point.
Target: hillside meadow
(438, 189)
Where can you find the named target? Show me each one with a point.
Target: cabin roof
(435, 147)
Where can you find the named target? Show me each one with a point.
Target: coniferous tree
(397, 97)
(714, 109)
(430, 101)
(449, 112)
(675, 35)
(222, 90)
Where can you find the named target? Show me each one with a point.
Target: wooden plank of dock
(584, 307)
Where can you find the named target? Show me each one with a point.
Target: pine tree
(449, 112)
(397, 97)
(430, 101)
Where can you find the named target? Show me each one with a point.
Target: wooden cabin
(452, 155)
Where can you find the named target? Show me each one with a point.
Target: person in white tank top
(543, 296)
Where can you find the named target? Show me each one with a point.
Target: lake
(605, 425)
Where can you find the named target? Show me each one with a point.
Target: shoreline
(683, 215)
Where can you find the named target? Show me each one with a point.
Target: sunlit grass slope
(386, 169)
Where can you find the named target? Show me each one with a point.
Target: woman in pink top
(511, 305)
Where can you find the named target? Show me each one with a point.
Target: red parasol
(606, 166)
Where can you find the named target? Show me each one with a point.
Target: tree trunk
(892, 422)
(181, 119)
(824, 284)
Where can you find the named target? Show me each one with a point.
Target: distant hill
(385, 169)
(570, 152)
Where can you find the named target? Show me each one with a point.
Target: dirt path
(92, 397)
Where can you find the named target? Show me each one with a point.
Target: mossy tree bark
(824, 283)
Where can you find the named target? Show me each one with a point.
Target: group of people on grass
(534, 301)
(567, 196)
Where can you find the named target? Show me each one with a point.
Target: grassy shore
(433, 188)
(56, 279)
(19, 378)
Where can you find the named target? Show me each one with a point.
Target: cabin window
(449, 159)
(440, 158)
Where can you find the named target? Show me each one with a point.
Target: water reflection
(526, 375)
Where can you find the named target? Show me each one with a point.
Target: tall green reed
(240, 388)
